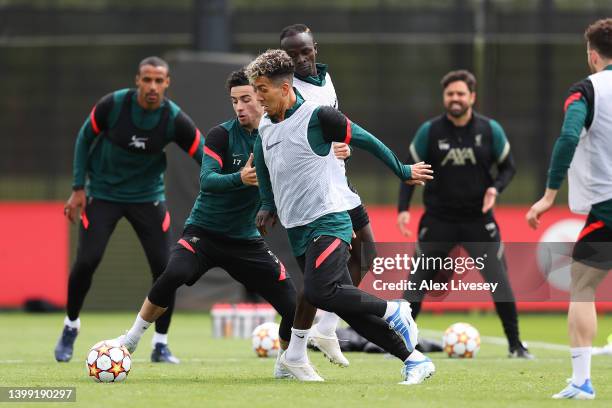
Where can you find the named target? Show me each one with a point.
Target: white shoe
(279, 371)
(404, 325)
(328, 345)
(129, 345)
(572, 391)
(415, 372)
(300, 371)
(605, 350)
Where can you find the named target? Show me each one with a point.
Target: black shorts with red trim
(327, 280)
(249, 261)
(594, 244)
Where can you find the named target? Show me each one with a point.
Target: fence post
(212, 27)
(545, 79)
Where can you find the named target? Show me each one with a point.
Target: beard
(457, 110)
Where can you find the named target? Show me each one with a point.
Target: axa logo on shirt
(138, 142)
(459, 156)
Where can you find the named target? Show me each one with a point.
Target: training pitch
(216, 372)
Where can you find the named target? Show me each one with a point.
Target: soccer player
(313, 82)
(462, 147)
(299, 177)
(586, 143)
(220, 230)
(118, 171)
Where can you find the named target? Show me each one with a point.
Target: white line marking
(501, 341)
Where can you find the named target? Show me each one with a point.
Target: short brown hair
(460, 75)
(599, 37)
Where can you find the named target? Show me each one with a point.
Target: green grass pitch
(226, 373)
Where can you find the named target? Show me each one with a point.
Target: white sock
(135, 333)
(416, 355)
(391, 308)
(296, 352)
(159, 338)
(328, 323)
(73, 324)
(581, 364)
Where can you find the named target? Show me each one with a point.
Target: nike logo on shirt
(269, 146)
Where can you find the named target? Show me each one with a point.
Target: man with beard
(462, 147)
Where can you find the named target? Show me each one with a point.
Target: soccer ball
(265, 340)
(461, 340)
(108, 361)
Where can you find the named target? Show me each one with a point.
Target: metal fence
(386, 59)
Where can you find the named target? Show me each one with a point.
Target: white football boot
(129, 345)
(572, 391)
(281, 372)
(415, 372)
(300, 371)
(328, 345)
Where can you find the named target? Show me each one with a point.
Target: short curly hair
(599, 37)
(272, 64)
(236, 78)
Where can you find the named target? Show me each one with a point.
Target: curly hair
(236, 78)
(272, 64)
(599, 36)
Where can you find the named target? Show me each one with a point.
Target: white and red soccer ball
(461, 340)
(265, 340)
(108, 361)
